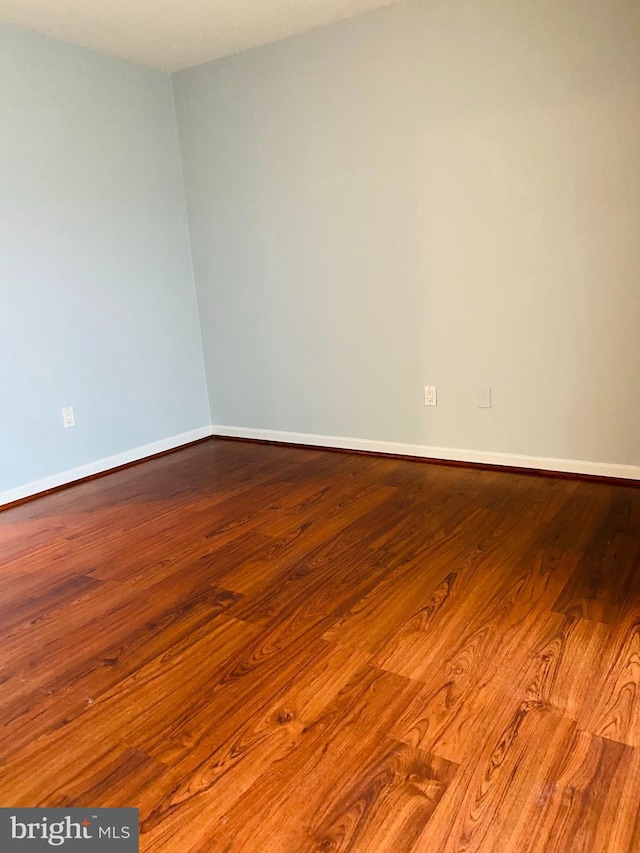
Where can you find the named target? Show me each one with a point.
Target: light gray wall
(97, 301)
(442, 192)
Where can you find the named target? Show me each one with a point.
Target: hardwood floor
(281, 650)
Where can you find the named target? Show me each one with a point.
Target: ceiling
(173, 34)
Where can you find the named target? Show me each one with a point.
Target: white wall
(441, 192)
(97, 300)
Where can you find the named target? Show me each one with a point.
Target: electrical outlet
(484, 397)
(68, 418)
(430, 395)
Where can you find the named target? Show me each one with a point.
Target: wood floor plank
(139, 701)
(613, 708)
(294, 789)
(114, 635)
(551, 665)
(30, 599)
(480, 810)
(349, 524)
(385, 806)
(216, 755)
(273, 649)
(483, 552)
(578, 802)
(606, 573)
(282, 695)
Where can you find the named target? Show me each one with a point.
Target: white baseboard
(102, 465)
(484, 457)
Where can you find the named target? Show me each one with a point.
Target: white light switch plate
(484, 397)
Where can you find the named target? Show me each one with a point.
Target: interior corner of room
(290, 243)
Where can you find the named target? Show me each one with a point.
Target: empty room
(320, 426)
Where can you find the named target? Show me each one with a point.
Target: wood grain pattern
(576, 806)
(270, 649)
